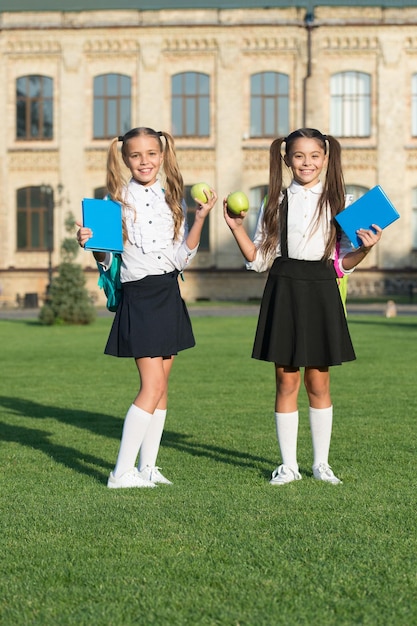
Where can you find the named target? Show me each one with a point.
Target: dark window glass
(34, 218)
(34, 107)
(112, 106)
(269, 104)
(190, 106)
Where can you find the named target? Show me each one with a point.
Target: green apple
(197, 192)
(237, 202)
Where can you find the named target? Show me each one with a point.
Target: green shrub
(68, 299)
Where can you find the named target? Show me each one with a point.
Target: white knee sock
(151, 441)
(321, 421)
(287, 433)
(134, 428)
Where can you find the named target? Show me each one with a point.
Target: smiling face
(143, 156)
(306, 158)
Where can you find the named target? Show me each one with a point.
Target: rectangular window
(269, 104)
(350, 106)
(190, 105)
(34, 206)
(34, 108)
(111, 106)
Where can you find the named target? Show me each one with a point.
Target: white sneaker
(131, 478)
(322, 471)
(284, 474)
(154, 475)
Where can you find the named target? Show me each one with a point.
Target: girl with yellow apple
(302, 323)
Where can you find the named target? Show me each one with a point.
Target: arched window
(190, 106)
(112, 106)
(34, 107)
(350, 105)
(35, 218)
(191, 209)
(269, 104)
(357, 191)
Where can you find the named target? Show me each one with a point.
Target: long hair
(174, 185)
(333, 194)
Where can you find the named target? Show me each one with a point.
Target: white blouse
(306, 240)
(150, 248)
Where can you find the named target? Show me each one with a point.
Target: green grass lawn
(220, 546)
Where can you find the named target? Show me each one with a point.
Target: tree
(68, 300)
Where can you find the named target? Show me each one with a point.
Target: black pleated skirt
(302, 322)
(151, 320)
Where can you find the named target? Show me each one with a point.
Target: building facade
(224, 81)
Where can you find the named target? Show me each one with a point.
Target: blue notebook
(374, 207)
(104, 217)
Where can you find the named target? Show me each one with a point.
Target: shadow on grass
(106, 426)
(186, 443)
(70, 457)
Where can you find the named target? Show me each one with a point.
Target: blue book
(374, 207)
(104, 217)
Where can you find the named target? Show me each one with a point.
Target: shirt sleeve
(345, 247)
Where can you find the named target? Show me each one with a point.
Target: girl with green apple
(302, 323)
(151, 324)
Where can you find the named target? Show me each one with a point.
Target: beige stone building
(225, 78)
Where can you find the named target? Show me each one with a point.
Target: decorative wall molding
(190, 44)
(343, 43)
(256, 159)
(33, 46)
(34, 161)
(268, 44)
(192, 158)
(360, 158)
(110, 46)
(96, 159)
(411, 162)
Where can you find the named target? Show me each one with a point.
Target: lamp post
(48, 193)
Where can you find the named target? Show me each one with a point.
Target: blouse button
(147, 204)
(150, 221)
(146, 190)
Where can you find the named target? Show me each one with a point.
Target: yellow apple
(237, 202)
(197, 192)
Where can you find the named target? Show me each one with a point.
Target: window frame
(273, 99)
(37, 207)
(116, 122)
(190, 104)
(29, 105)
(350, 104)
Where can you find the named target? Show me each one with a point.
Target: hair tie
(159, 133)
(121, 138)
